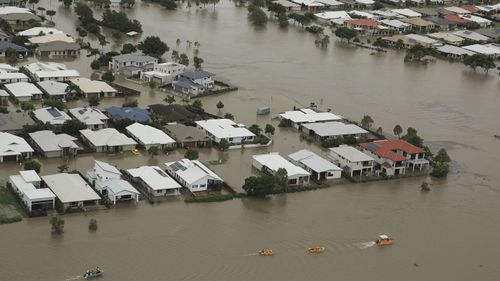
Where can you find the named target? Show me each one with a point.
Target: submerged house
(226, 129)
(272, 162)
(13, 148)
(51, 115)
(50, 71)
(353, 162)
(107, 180)
(90, 116)
(193, 175)
(50, 145)
(72, 190)
(187, 136)
(155, 181)
(148, 136)
(27, 187)
(296, 118)
(325, 130)
(131, 113)
(194, 82)
(107, 140)
(133, 64)
(319, 167)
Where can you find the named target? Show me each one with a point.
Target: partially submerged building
(155, 181)
(51, 115)
(72, 190)
(133, 64)
(148, 136)
(325, 130)
(107, 140)
(93, 117)
(54, 88)
(270, 163)
(193, 175)
(50, 71)
(296, 118)
(23, 91)
(93, 88)
(319, 167)
(13, 122)
(13, 148)
(353, 162)
(50, 145)
(27, 186)
(226, 129)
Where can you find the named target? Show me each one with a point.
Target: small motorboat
(316, 250)
(266, 252)
(384, 240)
(93, 273)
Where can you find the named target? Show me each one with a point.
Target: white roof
(386, 14)
(4, 67)
(117, 186)
(21, 184)
(106, 167)
(13, 145)
(327, 129)
(313, 161)
(350, 153)
(329, 15)
(274, 162)
(476, 19)
(448, 37)
(35, 31)
(362, 14)
(30, 176)
(48, 141)
(329, 2)
(286, 4)
(132, 33)
(483, 49)
(308, 3)
(450, 49)
(89, 115)
(309, 116)
(70, 187)
(395, 23)
(407, 13)
(457, 10)
(191, 171)
(3, 93)
(22, 89)
(148, 135)
(12, 75)
(107, 137)
(154, 177)
(14, 10)
(52, 115)
(39, 193)
(50, 70)
(59, 37)
(224, 128)
(471, 35)
(53, 88)
(27, 188)
(92, 86)
(366, 2)
(423, 38)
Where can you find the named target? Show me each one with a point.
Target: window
(159, 191)
(203, 185)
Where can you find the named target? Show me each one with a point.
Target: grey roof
(439, 20)
(7, 45)
(183, 133)
(313, 161)
(426, 11)
(58, 46)
(197, 74)
(137, 57)
(186, 83)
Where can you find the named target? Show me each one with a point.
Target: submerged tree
(346, 33)
(220, 105)
(153, 46)
(32, 165)
(367, 121)
(57, 224)
(191, 154)
(93, 225)
(397, 131)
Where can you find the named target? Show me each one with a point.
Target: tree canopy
(72, 127)
(191, 154)
(153, 46)
(480, 60)
(256, 15)
(32, 165)
(120, 21)
(345, 33)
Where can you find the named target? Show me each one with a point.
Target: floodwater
(450, 233)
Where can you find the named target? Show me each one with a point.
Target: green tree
(262, 185)
(442, 156)
(169, 99)
(257, 16)
(411, 131)
(191, 154)
(95, 64)
(345, 33)
(255, 129)
(84, 13)
(229, 116)
(184, 59)
(128, 48)
(276, 9)
(94, 101)
(152, 84)
(72, 127)
(367, 121)
(153, 46)
(108, 76)
(269, 129)
(27, 106)
(168, 4)
(67, 3)
(223, 144)
(93, 225)
(53, 102)
(154, 151)
(12, 56)
(198, 105)
(63, 168)
(50, 13)
(283, 20)
(120, 21)
(282, 178)
(127, 3)
(57, 224)
(220, 105)
(440, 170)
(480, 60)
(32, 165)
(197, 62)
(397, 131)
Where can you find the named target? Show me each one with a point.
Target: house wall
(348, 166)
(52, 154)
(200, 185)
(14, 80)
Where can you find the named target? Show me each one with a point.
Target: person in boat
(97, 270)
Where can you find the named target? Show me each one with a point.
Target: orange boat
(266, 252)
(384, 240)
(316, 250)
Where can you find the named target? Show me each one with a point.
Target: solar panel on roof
(176, 166)
(373, 147)
(161, 173)
(82, 111)
(54, 112)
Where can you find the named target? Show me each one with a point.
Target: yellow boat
(135, 151)
(266, 252)
(384, 240)
(316, 250)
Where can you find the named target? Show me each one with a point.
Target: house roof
(350, 153)
(173, 112)
(70, 187)
(306, 115)
(287, 4)
(48, 141)
(14, 121)
(427, 11)
(154, 177)
(334, 128)
(117, 186)
(132, 113)
(106, 167)
(8, 68)
(13, 75)
(107, 137)
(454, 50)
(148, 135)
(198, 74)
(191, 171)
(407, 13)
(457, 10)
(89, 115)
(471, 35)
(92, 86)
(448, 37)
(22, 89)
(183, 133)
(183, 82)
(418, 22)
(471, 8)
(329, 15)
(52, 115)
(24, 184)
(224, 128)
(50, 70)
(313, 161)
(476, 19)
(387, 14)
(36, 31)
(4, 45)
(456, 19)
(395, 23)
(388, 148)
(423, 39)
(134, 57)
(364, 22)
(274, 161)
(30, 176)
(362, 14)
(53, 88)
(483, 49)
(58, 37)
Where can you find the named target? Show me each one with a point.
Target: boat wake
(364, 245)
(248, 255)
(73, 278)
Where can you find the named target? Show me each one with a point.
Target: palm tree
(397, 131)
(367, 121)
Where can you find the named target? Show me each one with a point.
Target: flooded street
(449, 233)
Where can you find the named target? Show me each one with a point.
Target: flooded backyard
(449, 233)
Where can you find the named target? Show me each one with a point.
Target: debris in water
(415, 264)
(425, 186)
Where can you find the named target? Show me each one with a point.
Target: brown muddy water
(450, 233)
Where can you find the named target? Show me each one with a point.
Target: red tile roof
(470, 8)
(367, 22)
(387, 148)
(456, 19)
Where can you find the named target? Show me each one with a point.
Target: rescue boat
(266, 252)
(316, 250)
(384, 240)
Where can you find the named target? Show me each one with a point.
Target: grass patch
(5, 220)
(213, 198)
(307, 187)
(8, 199)
(215, 162)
